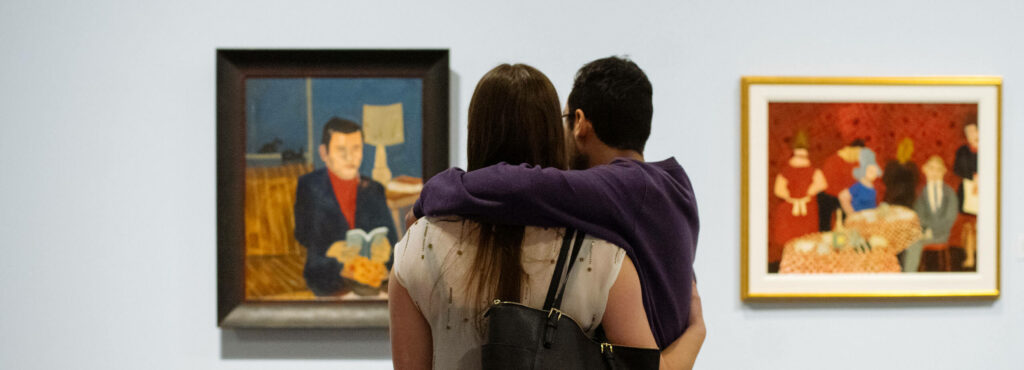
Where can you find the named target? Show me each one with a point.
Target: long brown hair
(514, 117)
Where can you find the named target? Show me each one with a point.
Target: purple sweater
(647, 208)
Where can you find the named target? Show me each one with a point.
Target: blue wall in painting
(276, 109)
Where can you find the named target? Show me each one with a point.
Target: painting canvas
(862, 187)
(331, 165)
(328, 158)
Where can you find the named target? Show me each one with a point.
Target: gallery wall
(107, 180)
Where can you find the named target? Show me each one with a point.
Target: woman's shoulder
(425, 250)
(455, 229)
(605, 245)
(438, 224)
(592, 249)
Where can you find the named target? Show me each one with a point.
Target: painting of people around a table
(872, 187)
(860, 190)
(332, 166)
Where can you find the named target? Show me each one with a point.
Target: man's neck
(607, 156)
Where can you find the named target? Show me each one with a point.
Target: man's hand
(682, 353)
(696, 313)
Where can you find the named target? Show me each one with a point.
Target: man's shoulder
(667, 174)
(632, 167)
(370, 184)
(666, 166)
(322, 172)
(313, 179)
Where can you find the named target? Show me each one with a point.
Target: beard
(579, 161)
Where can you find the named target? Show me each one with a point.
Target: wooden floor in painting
(276, 277)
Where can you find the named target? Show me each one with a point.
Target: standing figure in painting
(797, 185)
(866, 238)
(966, 167)
(936, 208)
(330, 201)
(837, 169)
(862, 194)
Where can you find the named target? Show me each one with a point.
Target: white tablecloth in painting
(887, 231)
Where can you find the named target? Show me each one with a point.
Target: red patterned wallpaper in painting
(934, 128)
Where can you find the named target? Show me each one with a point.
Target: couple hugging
(494, 232)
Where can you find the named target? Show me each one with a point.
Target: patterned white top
(433, 260)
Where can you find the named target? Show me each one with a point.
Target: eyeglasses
(567, 120)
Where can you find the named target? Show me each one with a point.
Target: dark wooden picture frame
(234, 67)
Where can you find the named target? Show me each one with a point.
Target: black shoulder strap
(554, 297)
(572, 260)
(556, 277)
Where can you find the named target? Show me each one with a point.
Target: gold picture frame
(792, 249)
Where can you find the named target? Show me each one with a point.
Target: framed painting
(865, 187)
(320, 153)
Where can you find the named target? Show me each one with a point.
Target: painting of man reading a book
(331, 165)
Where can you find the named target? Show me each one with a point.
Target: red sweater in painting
(345, 192)
(838, 173)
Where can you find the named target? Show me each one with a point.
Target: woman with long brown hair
(448, 270)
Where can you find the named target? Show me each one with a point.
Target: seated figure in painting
(333, 200)
(862, 194)
(796, 184)
(900, 180)
(866, 242)
(900, 176)
(867, 239)
(936, 207)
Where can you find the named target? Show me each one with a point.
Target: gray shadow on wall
(359, 344)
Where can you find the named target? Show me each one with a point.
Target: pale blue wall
(107, 147)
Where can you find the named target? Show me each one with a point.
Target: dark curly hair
(337, 125)
(615, 95)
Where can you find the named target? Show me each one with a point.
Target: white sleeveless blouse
(433, 261)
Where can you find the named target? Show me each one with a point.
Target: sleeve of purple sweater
(601, 199)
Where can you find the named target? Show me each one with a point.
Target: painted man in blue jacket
(332, 200)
